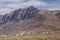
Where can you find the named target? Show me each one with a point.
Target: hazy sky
(6, 6)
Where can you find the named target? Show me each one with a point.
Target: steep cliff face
(30, 19)
(21, 14)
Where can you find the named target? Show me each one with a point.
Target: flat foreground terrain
(53, 36)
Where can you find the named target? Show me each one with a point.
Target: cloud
(7, 6)
(16, 4)
(4, 11)
(22, 4)
(13, 0)
(9, 0)
(53, 6)
(34, 3)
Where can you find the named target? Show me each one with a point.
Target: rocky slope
(30, 19)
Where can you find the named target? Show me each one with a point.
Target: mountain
(30, 19)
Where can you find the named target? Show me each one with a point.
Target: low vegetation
(52, 36)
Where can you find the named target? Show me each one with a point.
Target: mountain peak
(20, 14)
(30, 19)
(31, 7)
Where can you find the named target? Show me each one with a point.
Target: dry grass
(55, 36)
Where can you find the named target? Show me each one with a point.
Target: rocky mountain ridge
(30, 19)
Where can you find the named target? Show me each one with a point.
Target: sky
(6, 6)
